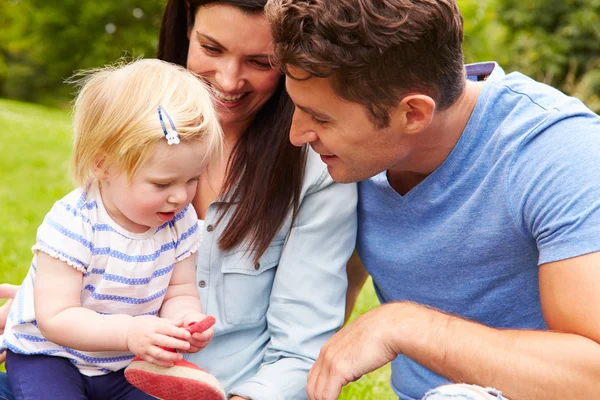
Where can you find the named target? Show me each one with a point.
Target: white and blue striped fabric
(124, 272)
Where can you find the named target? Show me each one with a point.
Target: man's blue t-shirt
(521, 188)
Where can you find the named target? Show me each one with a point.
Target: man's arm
(357, 276)
(561, 363)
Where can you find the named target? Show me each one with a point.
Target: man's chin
(341, 176)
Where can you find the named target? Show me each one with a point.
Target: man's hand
(6, 292)
(359, 348)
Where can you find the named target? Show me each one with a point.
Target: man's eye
(319, 121)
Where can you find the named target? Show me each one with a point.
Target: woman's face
(232, 50)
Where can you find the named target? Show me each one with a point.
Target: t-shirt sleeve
(66, 234)
(188, 233)
(554, 188)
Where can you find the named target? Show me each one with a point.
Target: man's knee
(461, 391)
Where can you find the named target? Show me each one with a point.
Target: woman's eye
(209, 49)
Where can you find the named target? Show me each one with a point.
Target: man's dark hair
(375, 51)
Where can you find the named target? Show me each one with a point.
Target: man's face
(341, 131)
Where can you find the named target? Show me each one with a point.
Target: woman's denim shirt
(274, 316)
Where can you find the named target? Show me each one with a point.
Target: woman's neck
(232, 132)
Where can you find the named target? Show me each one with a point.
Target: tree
(56, 38)
(556, 42)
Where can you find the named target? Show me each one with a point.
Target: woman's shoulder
(318, 181)
(315, 172)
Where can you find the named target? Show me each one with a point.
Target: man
(479, 209)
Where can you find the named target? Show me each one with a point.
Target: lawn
(35, 143)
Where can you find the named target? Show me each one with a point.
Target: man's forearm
(523, 364)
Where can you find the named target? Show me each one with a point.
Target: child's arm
(183, 303)
(62, 320)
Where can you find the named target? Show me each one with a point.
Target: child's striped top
(123, 272)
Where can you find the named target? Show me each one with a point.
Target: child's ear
(99, 170)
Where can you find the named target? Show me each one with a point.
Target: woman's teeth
(224, 97)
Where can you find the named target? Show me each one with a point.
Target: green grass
(35, 143)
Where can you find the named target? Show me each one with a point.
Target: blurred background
(43, 41)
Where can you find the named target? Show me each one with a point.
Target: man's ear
(415, 113)
(100, 170)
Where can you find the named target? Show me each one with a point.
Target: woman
(277, 230)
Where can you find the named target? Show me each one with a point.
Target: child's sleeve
(188, 233)
(66, 234)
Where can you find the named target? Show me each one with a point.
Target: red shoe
(183, 381)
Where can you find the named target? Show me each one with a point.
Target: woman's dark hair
(265, 171)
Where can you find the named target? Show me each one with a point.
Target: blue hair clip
(173, 136)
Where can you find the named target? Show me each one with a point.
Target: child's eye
(161, 185)
(193, 180)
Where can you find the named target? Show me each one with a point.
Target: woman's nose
(229, 76)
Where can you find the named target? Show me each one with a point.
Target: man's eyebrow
(267, 57)
(315, 113)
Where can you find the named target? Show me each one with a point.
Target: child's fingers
(170, 342)
(203, 337)
(157, 361)
(171, 330)
(163, 355)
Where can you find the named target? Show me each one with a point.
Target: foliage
(553, 41)
(47, 40)
(44, 42)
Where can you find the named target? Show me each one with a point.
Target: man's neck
(435, 144)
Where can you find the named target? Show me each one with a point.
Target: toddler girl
(113, 271)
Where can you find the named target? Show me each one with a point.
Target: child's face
(163, 186)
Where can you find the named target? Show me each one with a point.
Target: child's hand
(198, 340)
(150, 338)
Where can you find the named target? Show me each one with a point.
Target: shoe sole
(174, 383)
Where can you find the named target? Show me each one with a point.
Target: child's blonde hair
(116, 121)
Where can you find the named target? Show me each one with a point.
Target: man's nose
(301, 133)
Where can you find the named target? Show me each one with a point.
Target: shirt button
(202, 284)
(257, 266)
(210, 228)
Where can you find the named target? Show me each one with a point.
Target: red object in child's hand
(183, 381)
(201, 326)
